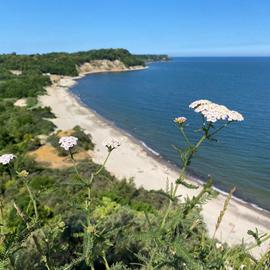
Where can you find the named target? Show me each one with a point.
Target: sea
(144, 104)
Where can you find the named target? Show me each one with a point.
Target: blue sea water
(144, 103)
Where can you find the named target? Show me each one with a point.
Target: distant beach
(133, 160)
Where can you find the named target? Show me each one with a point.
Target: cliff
(105, 65)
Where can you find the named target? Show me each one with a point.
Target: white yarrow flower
(68, 142)
(200, 102)
(228, 266)
(111, 144)
(235, 116)
(6, 158)
(219, 246)
(180, 120)
(213, 112)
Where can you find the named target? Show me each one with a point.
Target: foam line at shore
(149, 149)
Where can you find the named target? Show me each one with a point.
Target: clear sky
(176, 27)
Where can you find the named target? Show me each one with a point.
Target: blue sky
(176, 27)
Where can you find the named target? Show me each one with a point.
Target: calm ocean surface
(144, 103)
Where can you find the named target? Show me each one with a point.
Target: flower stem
(103, 165)
(9, 172)
(1, 214)
(166, 215)
(219, 129)
(184, 135)
(255, 244)
(75, 167)
(182, 173)
(203, 138)
(105, 261)
(33, 200)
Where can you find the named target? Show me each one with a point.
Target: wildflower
(111, 144)
(6, 158)
(228, 266)
(23, 173)
(180, 120)
(68, 142)
(235, 116)
(219, 246)
(213, 112)
(90, 229)
(200, 102)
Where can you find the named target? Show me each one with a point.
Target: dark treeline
(153, 57)
(65, 63)
(34, 67)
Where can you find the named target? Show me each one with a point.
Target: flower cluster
(6, 158)
(23, 174)
(68, 142)
(180, 120)
(219, 246)
(214, 112)
(111, 144)
(200, 102)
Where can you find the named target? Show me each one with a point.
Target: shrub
(84, 141)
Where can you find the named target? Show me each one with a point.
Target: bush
(84, 141)
(24, 86)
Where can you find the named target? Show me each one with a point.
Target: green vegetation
(21, 126)
(84, 141)
(64, 63)
(153, 57)
(82, 217)
(26, 85)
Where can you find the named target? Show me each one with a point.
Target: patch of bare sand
(62, 133)
(21, 102)
(47, 155)
(16, 72)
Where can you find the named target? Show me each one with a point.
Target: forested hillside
(65, 63)
(153, 57)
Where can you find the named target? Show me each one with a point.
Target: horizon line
(134, 53)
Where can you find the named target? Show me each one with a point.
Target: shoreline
(152, 153)
(155, 155)
(70, 111)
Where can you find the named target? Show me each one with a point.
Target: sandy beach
(132, 160)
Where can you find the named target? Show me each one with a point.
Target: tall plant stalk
(88, 230)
